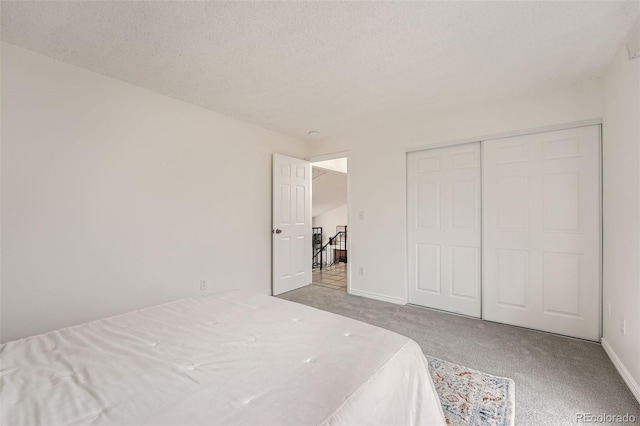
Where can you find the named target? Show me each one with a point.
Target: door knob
(277, 231)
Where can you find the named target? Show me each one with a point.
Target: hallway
(334, 277)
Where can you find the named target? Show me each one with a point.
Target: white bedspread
(231, 358)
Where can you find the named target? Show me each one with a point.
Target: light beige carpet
(556, 378)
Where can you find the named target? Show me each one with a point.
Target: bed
(231, 358)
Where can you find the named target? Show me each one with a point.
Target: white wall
(621, 212)
(329, 191)
(378, 170)
(329, 220)
(115, 197)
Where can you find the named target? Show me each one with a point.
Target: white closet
(540, 250)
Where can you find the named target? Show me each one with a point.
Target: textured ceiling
(327, 66)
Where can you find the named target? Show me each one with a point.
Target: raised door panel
(285, 249)
(561, 193)
(562, 283)
(465, 272)
(428, 268)
(465, 204)
(512, 273)
(284, 217)
(513, 203)
(428, 204)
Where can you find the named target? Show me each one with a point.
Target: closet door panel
(541, 231)
(443, 212)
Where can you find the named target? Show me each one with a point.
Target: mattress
(231, 358)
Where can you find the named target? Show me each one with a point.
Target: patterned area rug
(470, 397)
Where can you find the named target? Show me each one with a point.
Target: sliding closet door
(541, 231)
(443, 190)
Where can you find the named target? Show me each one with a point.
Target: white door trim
(333, 156)
(531, 131)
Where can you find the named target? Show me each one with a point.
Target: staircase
(333, 252)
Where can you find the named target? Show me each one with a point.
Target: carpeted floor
(555, 377)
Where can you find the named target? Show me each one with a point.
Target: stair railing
(340, 240)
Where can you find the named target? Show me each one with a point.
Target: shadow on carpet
(471, 397)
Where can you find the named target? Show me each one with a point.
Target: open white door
(291, 223)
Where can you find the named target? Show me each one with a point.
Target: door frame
(333, 156)
(523, 132)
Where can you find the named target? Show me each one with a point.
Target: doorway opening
(330, 221)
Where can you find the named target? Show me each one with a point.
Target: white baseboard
(626, 376)
(377, 296)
